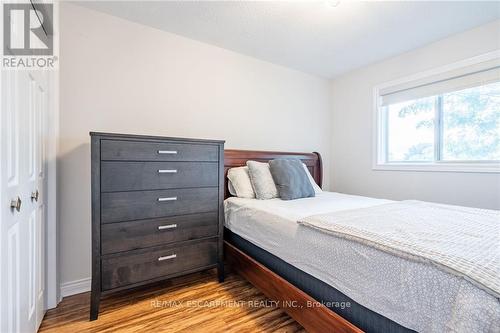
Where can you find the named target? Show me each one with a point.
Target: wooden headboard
(235, 158)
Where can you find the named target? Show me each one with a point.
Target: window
(410, 130)
(447, 120)
(471, 124)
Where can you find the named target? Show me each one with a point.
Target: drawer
(142, 265)
(136, 205)
(128, 176)
(157, 151)
(126, 236)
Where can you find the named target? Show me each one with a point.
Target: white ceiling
(310, 36)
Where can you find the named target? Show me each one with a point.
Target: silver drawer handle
(172, 256)
(167, 199)
(171, 152)
(169, 226)
(167, 171)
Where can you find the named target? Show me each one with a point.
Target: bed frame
(291, 299)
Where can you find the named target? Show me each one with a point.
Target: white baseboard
(75, 287)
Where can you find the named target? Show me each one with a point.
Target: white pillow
(315, 186)
(239, 182)
(231, 189)
(262, 180)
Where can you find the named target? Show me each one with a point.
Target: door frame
(1, 192)
(52, 266)
(53, 290)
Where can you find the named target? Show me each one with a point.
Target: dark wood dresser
(157, 210)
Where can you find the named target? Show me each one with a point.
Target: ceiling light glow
(333, 3)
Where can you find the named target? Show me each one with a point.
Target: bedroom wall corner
(352, 129)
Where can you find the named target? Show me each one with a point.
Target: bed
(353, 287)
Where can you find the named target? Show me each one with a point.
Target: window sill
(439, 167)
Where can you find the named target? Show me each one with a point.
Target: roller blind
(454, 80)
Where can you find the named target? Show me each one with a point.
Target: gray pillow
(262, 180)
(291, 179)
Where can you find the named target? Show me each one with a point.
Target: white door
(23, 196)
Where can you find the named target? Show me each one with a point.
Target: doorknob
(34, 195)
(16, 204)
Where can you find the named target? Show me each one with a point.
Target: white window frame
(380, 142)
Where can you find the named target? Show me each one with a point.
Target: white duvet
(414, 294)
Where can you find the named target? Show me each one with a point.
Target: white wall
(119, 76)
(351, 170)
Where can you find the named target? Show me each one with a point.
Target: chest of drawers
(157, 210)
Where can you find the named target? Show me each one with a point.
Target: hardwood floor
(195, 303)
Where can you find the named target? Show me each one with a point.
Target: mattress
(415, 295)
